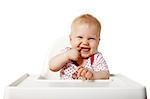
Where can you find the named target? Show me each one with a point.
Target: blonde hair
(87, 19)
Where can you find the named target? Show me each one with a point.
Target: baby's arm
(57, 62)
(100, 75)
(92, 75)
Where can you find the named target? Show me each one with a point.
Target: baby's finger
(88, 75)
(79, 72)
(79, 67)
(84, 72)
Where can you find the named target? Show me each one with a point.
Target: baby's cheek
(76, 43)
(92, 50)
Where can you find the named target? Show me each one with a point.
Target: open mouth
(83, 49)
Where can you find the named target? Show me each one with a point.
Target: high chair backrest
(58, 45)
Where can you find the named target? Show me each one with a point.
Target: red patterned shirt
(95, 63)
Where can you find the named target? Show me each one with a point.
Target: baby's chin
(85, 56)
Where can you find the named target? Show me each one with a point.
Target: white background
(28, 29)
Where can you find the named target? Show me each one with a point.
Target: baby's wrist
(67, 55)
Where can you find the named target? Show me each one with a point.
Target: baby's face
(86, 38)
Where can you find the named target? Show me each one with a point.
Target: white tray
(37, 87)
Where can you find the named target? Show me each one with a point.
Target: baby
(82, 60)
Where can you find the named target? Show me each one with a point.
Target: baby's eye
(79, 37)
(91, 38)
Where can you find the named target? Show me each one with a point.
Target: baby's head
(85, 35)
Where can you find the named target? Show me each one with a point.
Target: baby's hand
(85, 73)
(73, 54)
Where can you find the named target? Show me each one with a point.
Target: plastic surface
(37, 87)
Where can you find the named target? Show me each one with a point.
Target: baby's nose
(85, 42)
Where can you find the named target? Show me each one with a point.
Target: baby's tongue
(85, 49)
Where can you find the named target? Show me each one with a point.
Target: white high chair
(47, 86)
